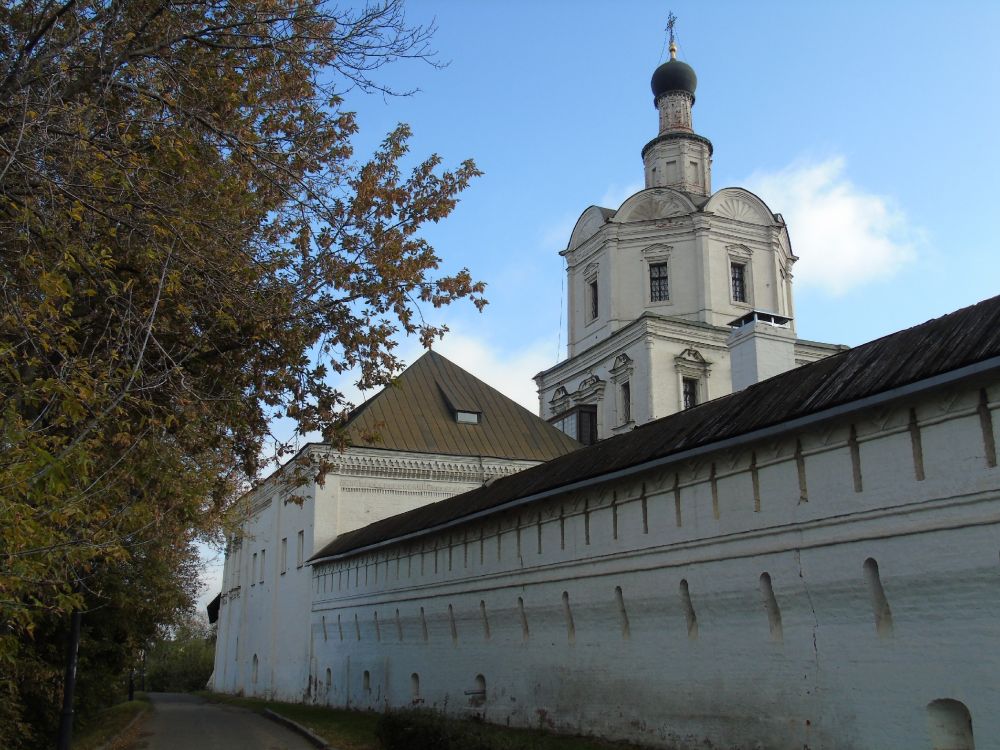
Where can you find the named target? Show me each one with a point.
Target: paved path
(185, 722)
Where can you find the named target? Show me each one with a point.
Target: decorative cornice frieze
(395, 466)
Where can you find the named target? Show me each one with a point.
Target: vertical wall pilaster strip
(852, 443)
(986, 423)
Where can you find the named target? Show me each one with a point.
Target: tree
(182, 659)
(190, 250)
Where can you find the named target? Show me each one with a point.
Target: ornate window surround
(591, 390)
(590, 278)
(691, 364)
(653, 255)
(621, 374)
(559, 401)
(742, 255)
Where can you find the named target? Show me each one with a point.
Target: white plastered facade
(262, 646)
(680, 329)
(826, 588)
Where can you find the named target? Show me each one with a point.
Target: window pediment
(691, 362)
(622, 368)
(654, 253)
(591, 388)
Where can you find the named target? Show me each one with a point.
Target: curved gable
(740, 205)
(654, 203)
(589, 224)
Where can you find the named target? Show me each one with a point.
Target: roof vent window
(468, 417)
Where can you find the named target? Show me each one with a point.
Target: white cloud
(845, 237)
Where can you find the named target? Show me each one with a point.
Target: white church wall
(266, 614)
(641, 609)
(261, 610)
(699, 250)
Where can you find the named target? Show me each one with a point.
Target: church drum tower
(679, 295)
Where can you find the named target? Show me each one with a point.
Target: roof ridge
(939, 345)
(419, 411)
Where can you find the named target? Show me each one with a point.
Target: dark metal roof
(418, 413)
(673, 75)
(938, 346)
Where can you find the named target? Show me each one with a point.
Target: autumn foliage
(190, 249)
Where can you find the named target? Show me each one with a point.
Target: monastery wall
(262, 642)
(835, 588)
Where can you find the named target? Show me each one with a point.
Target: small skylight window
(467, 417)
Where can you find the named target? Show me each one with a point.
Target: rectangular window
(580, 423)
(300, 554)
(263, 557)
(587, 425)
(659, 290)
(594, 308)
(253, 571)
(626, 391)
(738, 271)
(284, 555)
(690, 392)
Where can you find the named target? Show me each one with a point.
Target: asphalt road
(185, 722)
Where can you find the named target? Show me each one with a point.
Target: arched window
(622, 612)
(329, 679)
(949, 724)
(568, 613)
(477, 696)
(880, 604)
(253, 674)
(771, 607)
(524, 619)
(415, 687)
(366, 682)
(486, 619)
(689, 613)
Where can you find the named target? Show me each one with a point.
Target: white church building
(766, 542)
(677, 297)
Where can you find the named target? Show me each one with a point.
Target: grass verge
(426, 730)
(356, 730)
(107, 726)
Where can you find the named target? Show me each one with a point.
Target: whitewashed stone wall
(659, 352)
(661, 226)
(815, 591)
(262, 646)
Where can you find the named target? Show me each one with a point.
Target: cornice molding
(394, 466)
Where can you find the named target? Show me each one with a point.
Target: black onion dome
(673, 75)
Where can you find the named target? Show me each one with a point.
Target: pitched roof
(418, 412)
(943, 345)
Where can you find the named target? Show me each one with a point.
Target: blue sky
(872, 127)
